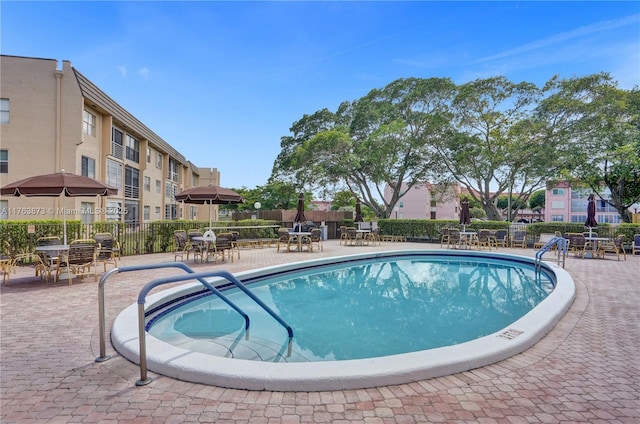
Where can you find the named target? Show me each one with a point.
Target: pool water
(359, 309)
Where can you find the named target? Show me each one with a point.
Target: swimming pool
(197, 340)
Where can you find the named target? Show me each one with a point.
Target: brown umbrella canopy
(211, 194)
(465, 214)
(358, 217)
(591, 213)
(300, 214)
(58, 184)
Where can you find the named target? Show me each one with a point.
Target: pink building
(424, 201)
(565, 203)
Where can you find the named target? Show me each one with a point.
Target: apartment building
(565, 203)
(52, 118)
(425, 201)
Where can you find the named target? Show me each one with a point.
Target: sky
(222, 82)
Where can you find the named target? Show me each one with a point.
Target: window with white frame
(113, 211)
(114, 174)
(88, 123)
(4, 161)
(132, 148)
(158, 160)
(87, 212)
(172, 173)
(158, 186)
(4, 111)
(148, 155)
(557, 204)
(146, 213)
(557, 218)
(167, 190)
(88, 167)
(158, 211)
(147, 183)
(557, 192)
(117, 147)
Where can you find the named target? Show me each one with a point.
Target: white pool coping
(165, 359)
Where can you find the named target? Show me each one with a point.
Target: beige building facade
(52, 118)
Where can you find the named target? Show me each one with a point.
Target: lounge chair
(636, 245)
(615, 246)
(543, 239)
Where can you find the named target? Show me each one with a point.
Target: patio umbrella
(300, 218)
(358, 217)
(591, 214)
(465, 214)
(58, 184)
(211, 195)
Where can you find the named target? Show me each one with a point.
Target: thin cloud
(564, 36)
(144, 72)
(123, 70)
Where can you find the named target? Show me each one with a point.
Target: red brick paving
(587, 369)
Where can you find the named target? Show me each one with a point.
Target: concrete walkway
(587, 369)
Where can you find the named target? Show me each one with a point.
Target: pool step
(238, 347)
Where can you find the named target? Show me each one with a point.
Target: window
(557, 204)
(4, 161)
(557, 192)
(167, 190)
(147, 184)
(114, 209)
(4, 111)
(87, 212)
(88, 167)
(146, 213)
(4, 209)
(148, 155)
(131, 208)
(170, 212)
(158, 160)
(116, 143)
(131, 182)
(158, 186)
(132, 149)
(114, 174)
(172, 173)
(158, 210)
(88, 123)
(557, 218)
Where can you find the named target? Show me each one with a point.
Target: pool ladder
(561, 245)
(191, 275)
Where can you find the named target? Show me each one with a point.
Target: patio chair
(354, 238)
(221, 247)
(7, 262)
(615, 246)
(454, 238)
(316, 239)
(635, 248)
(501, 238)
(32, 260)
(184, 247)
(577, 243)
(543, 239)
(343, 234)
(106, 250)
(373, 237)
(79, 261)
(285, 239)
(519, 239)
(444, 236)
(483, 239)
(50, 256)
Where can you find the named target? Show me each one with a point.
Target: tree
(497, 145)
(384, 138)
(342, 199)
(600, 127)
(537, 201)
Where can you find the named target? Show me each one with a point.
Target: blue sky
(222, 82)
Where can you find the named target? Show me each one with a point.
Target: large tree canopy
(384, 138)
(601, 132)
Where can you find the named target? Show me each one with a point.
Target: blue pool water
(359, 309)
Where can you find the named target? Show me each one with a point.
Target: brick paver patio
(587, 369)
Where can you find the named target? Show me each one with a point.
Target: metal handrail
(177, 278)
(101, 309)
(560, 242)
